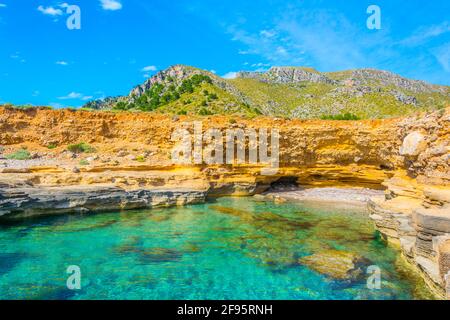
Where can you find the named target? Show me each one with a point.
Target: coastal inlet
(231, 248)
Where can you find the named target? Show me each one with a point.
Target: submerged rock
(159, 255)
(336, 264)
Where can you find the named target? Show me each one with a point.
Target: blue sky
(120, 43)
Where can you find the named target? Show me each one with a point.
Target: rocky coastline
(16, 203)
(401, 166)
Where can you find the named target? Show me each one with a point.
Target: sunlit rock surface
(408, 158)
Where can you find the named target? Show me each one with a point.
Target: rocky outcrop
(415, 213)
(288, 75)
(26, 202)
(297, 92)
(336, 264)
(407, 157)
(386, 78)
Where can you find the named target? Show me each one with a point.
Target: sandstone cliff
(407, 157)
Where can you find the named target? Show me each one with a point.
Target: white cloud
(111, 5)
(149, 68)
(424, 34)
(300, 38)
(2, 5)
(267, 33)
(260, 64)
(230, 75)
(62, 63)
(442, 55)
(244, 52)
(51, 11)
(17, 56)
(75, 95)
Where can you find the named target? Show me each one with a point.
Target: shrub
(52, 146)
(84, 162)
(213, 96)
(232, 121)
(140, 159)
(21, 154)
(345, 116)
(204, 112)
(81, 147)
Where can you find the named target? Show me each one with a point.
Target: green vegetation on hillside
(160, 95)
(21, 154)
(308, 100)
(345, 116)
(81, 147)
(288, 92)
(196, 95)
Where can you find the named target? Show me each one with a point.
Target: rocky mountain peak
(174, 74)
(287, 75)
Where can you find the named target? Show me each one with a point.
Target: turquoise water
(233, 248)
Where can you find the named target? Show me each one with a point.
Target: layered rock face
(288, 75)
(27, 201)
(132, 168)
(416, 211)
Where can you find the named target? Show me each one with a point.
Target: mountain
(294, 92)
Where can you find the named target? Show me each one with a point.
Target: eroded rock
(413, 144)
(336, 264)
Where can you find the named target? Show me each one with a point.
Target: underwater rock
(158, 255)
(244, 215)
(336, 264)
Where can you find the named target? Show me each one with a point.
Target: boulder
(336, 264)
(413, 144)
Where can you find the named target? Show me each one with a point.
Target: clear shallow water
(234, 248)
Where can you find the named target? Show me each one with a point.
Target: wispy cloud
(426, 33)
(230, 75)
(62, 63)
(316, 36)
(2, 5)
(17, 56)
(267, 33)
(75, 96)
(149, 68)
(112, 5)
(442, 55)
(50, 11)
(304, 38)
